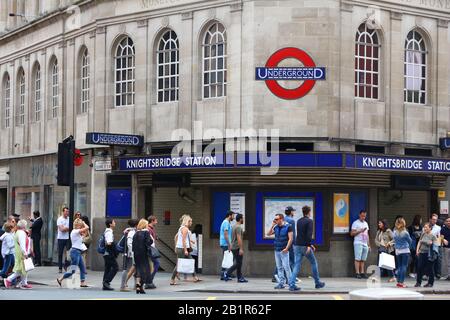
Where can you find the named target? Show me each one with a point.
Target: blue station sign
(336, 160)
(113, 139)
(444, 143)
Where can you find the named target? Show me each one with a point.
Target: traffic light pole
(71, 184)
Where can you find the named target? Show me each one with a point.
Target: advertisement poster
(341, 213)
(272, 206)
(237, 205)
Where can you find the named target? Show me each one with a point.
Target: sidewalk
(47, 276)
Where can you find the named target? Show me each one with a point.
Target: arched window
(124, 75)
(367, 63)
(37, 93)
(168, 67)
(21, 96)
(214, 62)
(85, 82)
(415, 68)
(54, 88)
(7, 100)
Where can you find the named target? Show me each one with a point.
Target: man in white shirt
(111, 266)
(361, 244)
(436, 231)
(63, 238)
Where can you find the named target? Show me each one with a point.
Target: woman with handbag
(183, 246)
(22, 257)
(402, 243)
(383, 241)
(78, 247)
(425, 265)
(142, 243)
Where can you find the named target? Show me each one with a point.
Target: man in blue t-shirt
(289, 212)
(225, 236)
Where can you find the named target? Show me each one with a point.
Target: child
(7, 249)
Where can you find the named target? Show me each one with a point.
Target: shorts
(361, 251)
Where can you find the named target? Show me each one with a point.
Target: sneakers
(225, 276)
(242, 280)
(320, 285)
(107, 287)
(7, 283)
(401, 285)
(279, 286)
(412, 275)
(150, 286)
(27, 287)
(294, 288)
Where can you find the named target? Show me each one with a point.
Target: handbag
(154, 253)
(185, 265)
(28, 263)
(386, 261)
(227, 261)
(87, 240)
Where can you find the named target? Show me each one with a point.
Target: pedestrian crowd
(419, 248)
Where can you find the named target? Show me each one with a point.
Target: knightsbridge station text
(406, 164)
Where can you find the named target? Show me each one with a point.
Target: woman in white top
(78, 247)
(22, 252)
(183, 245)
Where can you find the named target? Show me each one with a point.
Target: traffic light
(65, 161)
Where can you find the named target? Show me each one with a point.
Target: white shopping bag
(386, 261)
(227, 261)
(185, 265)
(29, 265)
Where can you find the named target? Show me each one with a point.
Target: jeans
(155, 269)
(8, 261)
(111, 268)
(237, 264)
(76, 261)
(37, 249)
(300, 252)
(438, 263)
(283, 267)
(425, 267)
(62, 244)
(402, 266)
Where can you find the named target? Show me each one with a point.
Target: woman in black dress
(141, 248)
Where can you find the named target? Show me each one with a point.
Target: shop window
(26, 201)
(369, 149)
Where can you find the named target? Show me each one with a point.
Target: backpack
(101, 244)
(122, 244)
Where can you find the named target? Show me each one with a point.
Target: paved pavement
(46, 277)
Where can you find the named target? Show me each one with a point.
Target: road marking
(336, 297)
(211, 298)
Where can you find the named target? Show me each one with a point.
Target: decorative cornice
(236, 7)
(100, 30)
(188, 15)
(443, 23)
(346, 7)
(396, 15)
(142, 23)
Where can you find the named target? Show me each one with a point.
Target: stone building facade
(71, 67)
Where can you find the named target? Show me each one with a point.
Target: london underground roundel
(309, 73)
